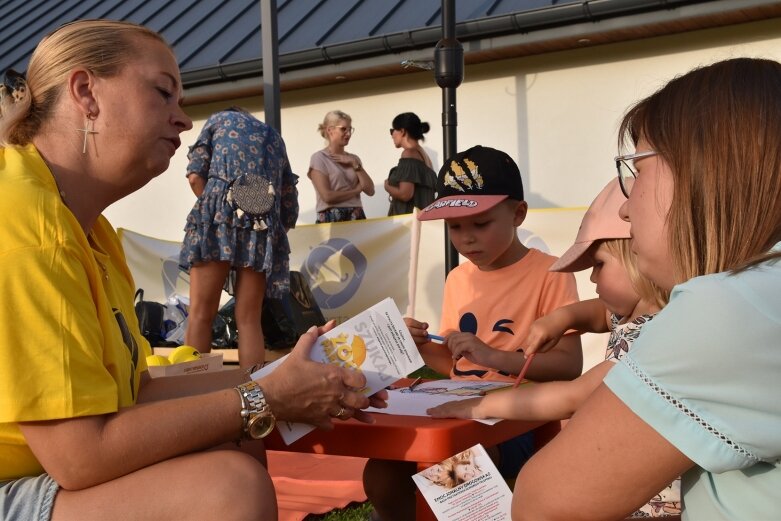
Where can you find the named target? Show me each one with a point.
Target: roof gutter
(544, 22)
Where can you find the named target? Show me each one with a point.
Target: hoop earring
(89, 128)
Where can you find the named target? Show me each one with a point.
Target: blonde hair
(464, 458)
(449, 467)
(647, 290)
(331, 119)
(718, 128)
(102, 46)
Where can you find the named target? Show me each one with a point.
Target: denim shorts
(28, 499)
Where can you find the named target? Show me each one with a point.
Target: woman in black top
(411, 183)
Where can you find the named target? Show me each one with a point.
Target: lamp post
(449, 73)
(268, 18)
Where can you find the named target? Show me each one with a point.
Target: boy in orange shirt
(488, 306)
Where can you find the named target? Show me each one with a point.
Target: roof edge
(538, 25)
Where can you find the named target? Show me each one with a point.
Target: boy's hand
(470, 347)
(418, 330)
(457, 409)
(544, 334)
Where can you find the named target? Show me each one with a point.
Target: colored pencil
(523, 371)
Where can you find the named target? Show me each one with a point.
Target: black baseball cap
(472, 182)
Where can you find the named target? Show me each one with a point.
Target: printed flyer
(375, 342)
(466, 487)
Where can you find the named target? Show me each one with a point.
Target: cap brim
(459, 206)
(574, 259)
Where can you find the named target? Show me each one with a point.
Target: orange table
(422, 440)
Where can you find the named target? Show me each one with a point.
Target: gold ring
(339, 414)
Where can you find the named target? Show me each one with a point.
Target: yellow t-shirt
(499, 306)
(70, 344)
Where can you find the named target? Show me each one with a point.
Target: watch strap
(253, 403)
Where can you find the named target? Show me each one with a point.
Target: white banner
(154, 264)
(349, 266)
(352, 266)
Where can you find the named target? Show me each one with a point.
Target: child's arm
(586, 316)
(436, 356)
(565, 362)
(534, 402)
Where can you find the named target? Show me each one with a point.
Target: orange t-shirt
(499, 306)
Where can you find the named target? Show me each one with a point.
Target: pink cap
(600, 222)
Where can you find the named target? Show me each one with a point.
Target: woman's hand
(403, 192)
(346, 159)
(197, 183)
(301, 390)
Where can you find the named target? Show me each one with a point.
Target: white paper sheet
(436, 392)
(375, 342)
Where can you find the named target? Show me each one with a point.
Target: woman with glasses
(698, 394)
(338, 176)
(411, 183)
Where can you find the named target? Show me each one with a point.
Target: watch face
(260, 426)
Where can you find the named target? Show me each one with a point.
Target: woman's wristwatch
(258, 419)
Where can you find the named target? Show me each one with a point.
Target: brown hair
(102, 46)
(647, 290)
(719, 129)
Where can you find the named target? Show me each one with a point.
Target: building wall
(557, 114)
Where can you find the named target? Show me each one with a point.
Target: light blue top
(706, 375)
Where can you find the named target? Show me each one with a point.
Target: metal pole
(449, 73)
(268, 18)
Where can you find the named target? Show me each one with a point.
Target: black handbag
(285, 319)
(150, 319)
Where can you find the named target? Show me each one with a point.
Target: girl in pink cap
(626, 302)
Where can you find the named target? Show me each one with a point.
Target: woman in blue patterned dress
(220, 237)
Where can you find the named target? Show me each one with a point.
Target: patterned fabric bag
(252, 195)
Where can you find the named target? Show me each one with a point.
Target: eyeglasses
(626, 173)
(345, 130)
(392, 131)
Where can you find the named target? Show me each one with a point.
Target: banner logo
(334, 271)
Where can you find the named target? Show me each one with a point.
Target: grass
(427, 374)
(353, 512)
(361, 511)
